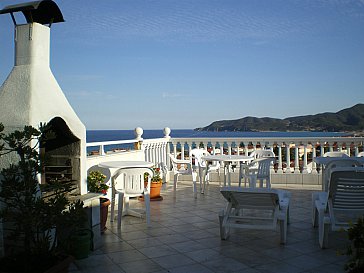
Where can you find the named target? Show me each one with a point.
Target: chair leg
(175, 182)
(268, 183)
(240, 174)
(224, 232)
(207, 178)
(120, 208)
(147, 207)
(314, 216)
(204, 180)
(324, 224)
(112, 213)
(194, 178)
(200, 177)
(283, 229)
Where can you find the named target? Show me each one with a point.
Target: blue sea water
(109, 135)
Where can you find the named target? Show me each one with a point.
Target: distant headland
(346, 120)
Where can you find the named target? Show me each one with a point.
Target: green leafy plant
(356, 248)
(96, 182)
(32, 222)
(156, 176)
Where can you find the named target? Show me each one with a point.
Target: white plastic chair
(262, 153)
(130, 183)
(361, 154)
(182, 167)
(199, 165)
(255, 209)
(258, 169)
(341, 205)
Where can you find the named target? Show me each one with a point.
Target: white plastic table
(228, 160)
(114, 166)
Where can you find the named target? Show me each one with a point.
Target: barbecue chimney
(31, 95)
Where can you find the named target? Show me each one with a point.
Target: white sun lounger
(257, 208)
(342, 204)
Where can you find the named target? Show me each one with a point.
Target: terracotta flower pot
(104, 210)
(155, 190)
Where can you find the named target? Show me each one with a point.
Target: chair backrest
(196, 157)
(335, 154)
(262, 153)
(346, 194)
(180, 166)
(263, 166)
(266, 199)
(131, 180)
(337, 163)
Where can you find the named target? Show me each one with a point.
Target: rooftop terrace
(184, 237)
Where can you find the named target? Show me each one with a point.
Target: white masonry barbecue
(31, 95)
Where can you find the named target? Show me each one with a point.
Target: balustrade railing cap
(166, 132)
(138, 133)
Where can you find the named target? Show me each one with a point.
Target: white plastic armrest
(320, 206)
(183, 161)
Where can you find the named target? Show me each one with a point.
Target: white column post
(314, 168)
(288, 158)
(280, 165)
(296, 159)
(182, 150)
(304, 170)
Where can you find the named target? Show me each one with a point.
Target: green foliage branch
(30, 220)
(356, 248)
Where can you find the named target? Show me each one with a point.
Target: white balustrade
(304, 149)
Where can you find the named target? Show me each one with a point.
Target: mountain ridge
(348, 119)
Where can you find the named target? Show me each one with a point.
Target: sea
(110, 135)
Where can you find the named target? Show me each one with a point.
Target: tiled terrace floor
(184, 237)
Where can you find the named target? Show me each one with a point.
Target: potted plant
(32, 221)
(96, 183)
(156, 184)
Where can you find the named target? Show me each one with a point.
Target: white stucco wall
(31, 95)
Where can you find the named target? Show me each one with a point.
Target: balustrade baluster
(183, 151)
(101, 150)
(314, 168)
(304, 169)
(229, 144)
(175, 149)
(296, 159)
(288, 157)
(331, 147)
(280, 165)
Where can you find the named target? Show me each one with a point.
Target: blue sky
(186, 63)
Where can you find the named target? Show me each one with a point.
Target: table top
(126, 164)
(227, 158)
(326, 160)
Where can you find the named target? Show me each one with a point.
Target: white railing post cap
(138, 133)
(166, 132)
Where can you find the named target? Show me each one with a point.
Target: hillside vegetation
(350, 119)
